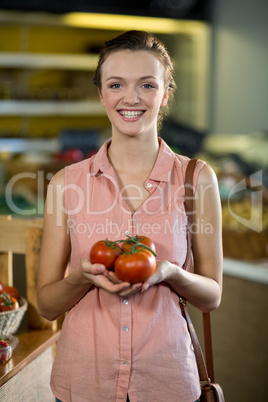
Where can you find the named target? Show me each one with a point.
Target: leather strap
(208, 345)
(189, 206)
(201, 365)
(205, 372)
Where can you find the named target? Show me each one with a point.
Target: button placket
(125, 345)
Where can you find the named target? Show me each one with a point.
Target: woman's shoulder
(207, 175)
(182, 162)
(64, 174)
(58, 178)
(83, 164)
(203, 175)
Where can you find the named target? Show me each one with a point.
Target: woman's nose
(131, 97)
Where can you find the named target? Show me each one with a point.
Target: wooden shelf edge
(87, 62)
(51, 108)
(31, 345)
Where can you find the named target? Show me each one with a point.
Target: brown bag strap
(205, 372)
(201, 365)
(208, 345)
(189, 205)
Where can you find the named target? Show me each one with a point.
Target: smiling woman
(121, 340)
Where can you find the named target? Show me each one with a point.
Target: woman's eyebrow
(113, 78)
(146, 77)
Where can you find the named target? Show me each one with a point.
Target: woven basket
(245, 244)
(239, 241)
(11, 320)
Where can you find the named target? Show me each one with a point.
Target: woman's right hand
(99, 276)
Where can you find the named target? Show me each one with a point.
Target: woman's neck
(133, 153)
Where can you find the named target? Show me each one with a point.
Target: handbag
(210, 390)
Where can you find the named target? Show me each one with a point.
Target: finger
(94, 269)
(155, 278)
(145, 286)
(116, 288)
(105, 283)
(113, 277)
(131, 290)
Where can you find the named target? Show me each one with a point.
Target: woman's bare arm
(202, 288)
(57, 292)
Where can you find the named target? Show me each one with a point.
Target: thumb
(152, 280)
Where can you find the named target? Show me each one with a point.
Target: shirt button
(125, 301)
(127, 232)
(149, 185)
(125, 329)
(125, 363)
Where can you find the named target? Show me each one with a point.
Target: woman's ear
(165, 99)
(101, 98)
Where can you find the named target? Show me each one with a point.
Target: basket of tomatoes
(12, 310)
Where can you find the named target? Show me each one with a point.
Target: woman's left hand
(163, 271)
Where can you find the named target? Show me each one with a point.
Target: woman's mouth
(131, 114)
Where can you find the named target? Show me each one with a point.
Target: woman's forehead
(139, 62)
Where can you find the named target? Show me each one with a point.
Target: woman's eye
(115, 86)
(149, 86)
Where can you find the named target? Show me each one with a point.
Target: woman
(121, 340)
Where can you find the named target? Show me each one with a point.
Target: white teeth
(131, 114)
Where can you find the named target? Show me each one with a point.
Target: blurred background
(50, 116)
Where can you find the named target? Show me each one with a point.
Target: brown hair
(134, 41)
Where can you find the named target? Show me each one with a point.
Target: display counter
(255, 272)
(26, 375)
(240, 331)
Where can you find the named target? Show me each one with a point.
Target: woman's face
(133, 89)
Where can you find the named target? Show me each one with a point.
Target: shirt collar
(101, 162)
(160, 172)
(164, 163)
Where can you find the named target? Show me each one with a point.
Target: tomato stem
(133, 239)
(7, 300)
(133, 248)
(111, 244)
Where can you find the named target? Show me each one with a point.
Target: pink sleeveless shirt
(110, 345)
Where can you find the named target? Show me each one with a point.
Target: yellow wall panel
(10, 38)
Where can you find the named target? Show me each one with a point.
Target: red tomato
(5, 351)
(105, 252)
(8, 303)
(126, 246)
(1, 287)
(3, 343)
(136, 267)
(11, 291)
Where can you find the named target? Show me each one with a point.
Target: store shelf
(19, 145)
(50, 61)
(251, 271)
(51, 108)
